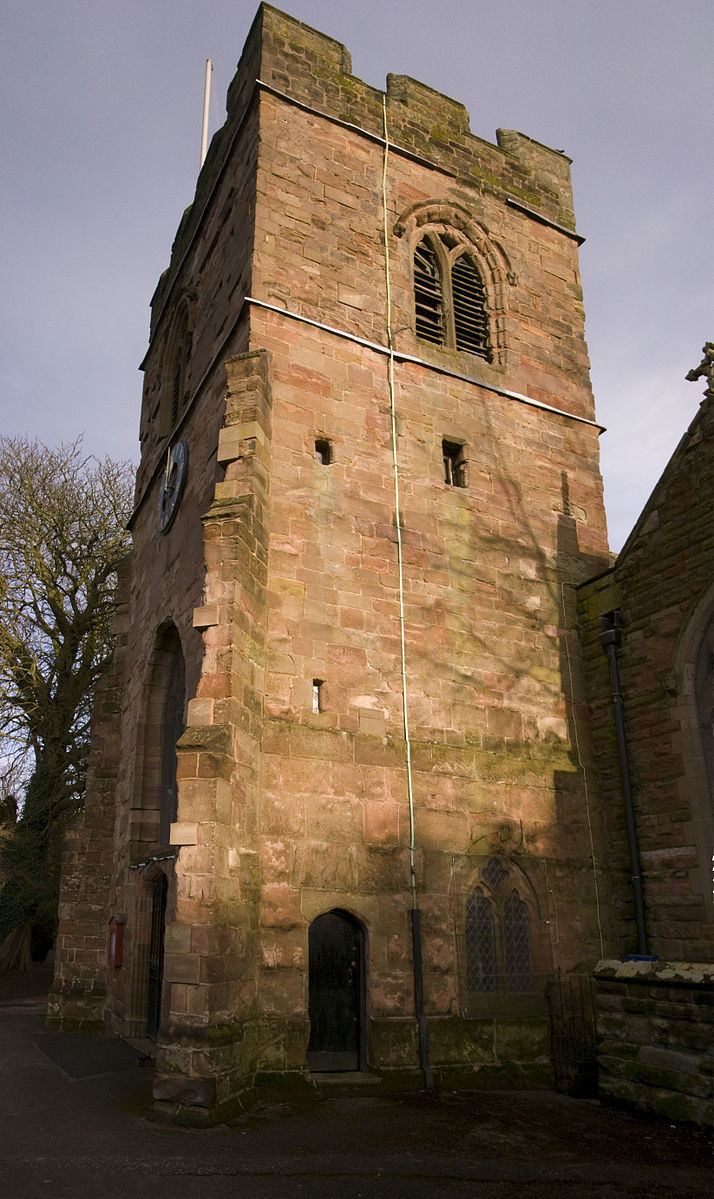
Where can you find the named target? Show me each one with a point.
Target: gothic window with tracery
(481, 972)
(517, 945)
(497, 935)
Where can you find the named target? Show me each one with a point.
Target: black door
(336, 993)
(156, 953)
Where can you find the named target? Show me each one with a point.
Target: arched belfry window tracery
(450, 298)
(459, 276)
(428, 294)
(498, 934)
(471, 328)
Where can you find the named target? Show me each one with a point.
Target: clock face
(172, 485)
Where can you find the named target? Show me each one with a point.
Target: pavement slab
(76, 1124)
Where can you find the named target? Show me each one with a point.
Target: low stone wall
(655, 1036)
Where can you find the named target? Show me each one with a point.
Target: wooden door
(336, 993)
(156, 953)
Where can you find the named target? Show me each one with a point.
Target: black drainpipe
(610, 638)
(422, 1027)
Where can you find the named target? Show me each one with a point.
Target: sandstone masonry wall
(655, 1037)
(494, 680)
(662, 584)
(319, 247)
(208, 1047)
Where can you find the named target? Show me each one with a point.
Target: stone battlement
(313, 70)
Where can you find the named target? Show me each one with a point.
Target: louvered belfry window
(450, 300)
(428, 294)
(470, 313)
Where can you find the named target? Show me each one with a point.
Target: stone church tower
(337, 813)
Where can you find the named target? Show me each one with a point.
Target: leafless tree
(62, 536)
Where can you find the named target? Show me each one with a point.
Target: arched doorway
(156, 952)
(336, 948)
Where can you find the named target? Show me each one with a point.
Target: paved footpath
(68, 1131)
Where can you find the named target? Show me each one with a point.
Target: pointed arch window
(517, 945)
(497, 935)
(481, 972)
(704, 699)
(164, 720)
(450, 299)
(172, 727)
(470, 312)
(428, 294)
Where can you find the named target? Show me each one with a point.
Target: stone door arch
(336, 993)
(159, 900)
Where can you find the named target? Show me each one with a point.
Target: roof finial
(705, 369)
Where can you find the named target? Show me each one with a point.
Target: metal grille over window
(516, 945)
(428, 296)
(481, 973)
(470, 313)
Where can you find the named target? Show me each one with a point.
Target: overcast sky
(99, 141)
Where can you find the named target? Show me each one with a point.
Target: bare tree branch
(62, 537)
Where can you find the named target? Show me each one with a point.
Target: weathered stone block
(189, 1092)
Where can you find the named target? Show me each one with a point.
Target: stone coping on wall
(667, 973)
(654, 1025)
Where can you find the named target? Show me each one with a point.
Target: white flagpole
(206, 103)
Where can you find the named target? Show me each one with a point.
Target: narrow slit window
(317, 695)
(428, 295)
(323, 451)
(470, 311)
(455, 467)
